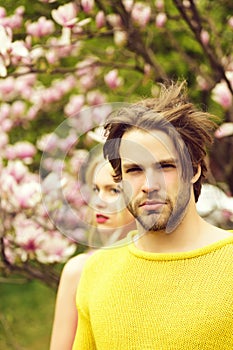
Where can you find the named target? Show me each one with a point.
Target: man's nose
(152, 181)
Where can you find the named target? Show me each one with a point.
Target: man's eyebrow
(127, 165)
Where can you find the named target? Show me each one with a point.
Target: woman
(111, 221)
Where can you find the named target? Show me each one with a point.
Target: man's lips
(152, 205)
(101, 219)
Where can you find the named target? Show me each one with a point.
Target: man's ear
(197, 175)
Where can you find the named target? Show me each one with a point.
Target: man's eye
(134, 169)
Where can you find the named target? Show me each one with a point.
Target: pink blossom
(100, 19)
(5, 40)
(27, 195)
(20, 10)
(75, 104)
(15, 21)
(7, 86)
(17, 170)
(24, 150)
(18, 49)
(226, 129)
(2, 12)
(222, 95)
(120, 37)
(55, 249)
(202, 83)
(95, 98)
(128, 4)
(160, 20)
(205, 37)
(65, 15)
(159, 4)
(4, 139)
(141, 13)
(112, 79)
(87, 5)
(230, 22)
(18, 109)
(40, 28)
(48, 143)
(3, 70)
(4, 111)
(114, 20)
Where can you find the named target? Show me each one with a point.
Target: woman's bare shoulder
(75, 265)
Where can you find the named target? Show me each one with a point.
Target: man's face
(151, 179)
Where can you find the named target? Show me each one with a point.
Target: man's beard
(168, 218)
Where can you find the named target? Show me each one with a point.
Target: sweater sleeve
(84, 339)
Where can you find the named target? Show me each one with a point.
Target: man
(171, 286)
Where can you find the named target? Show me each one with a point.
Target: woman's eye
(95, 189)
(115, 190)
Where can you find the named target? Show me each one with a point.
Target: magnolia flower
(5, 40)
(128, 4)
(87, 5)
(3, 70)
(55, 249)
(40, 28)
(230, 22)
(16, 169)
(222, 95)
(75, 104)
(100, 19)
(226, 129)
(160, 20)
(27, 195)
(65, 15)
(213, 203)
(120, 37)
(141, 13)
(112, 79)
(205, 37)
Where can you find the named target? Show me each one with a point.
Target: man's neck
(192, 233)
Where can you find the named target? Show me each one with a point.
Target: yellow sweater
(129, 299)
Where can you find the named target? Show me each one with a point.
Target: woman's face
(107, 202)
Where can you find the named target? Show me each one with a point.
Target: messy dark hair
(190, 129)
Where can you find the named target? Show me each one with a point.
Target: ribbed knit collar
(179, 255)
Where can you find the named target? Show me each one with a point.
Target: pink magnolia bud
(74, 105)
(95, 98)
(4, 139)
(226, 129)
(222, 95)
(230, 22)
(87, 5)
(40, 28)
(159, 4)
(24, 150)
(2, 12)
(120, 38)
(141, 13)
(112, 79)
(66, 15)
(18, 109)
(160, 20)
(205, 37)
(28, 195)
(20, 10)
(128, 4)
(3, 70)
(17, 169)
(100, 19)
